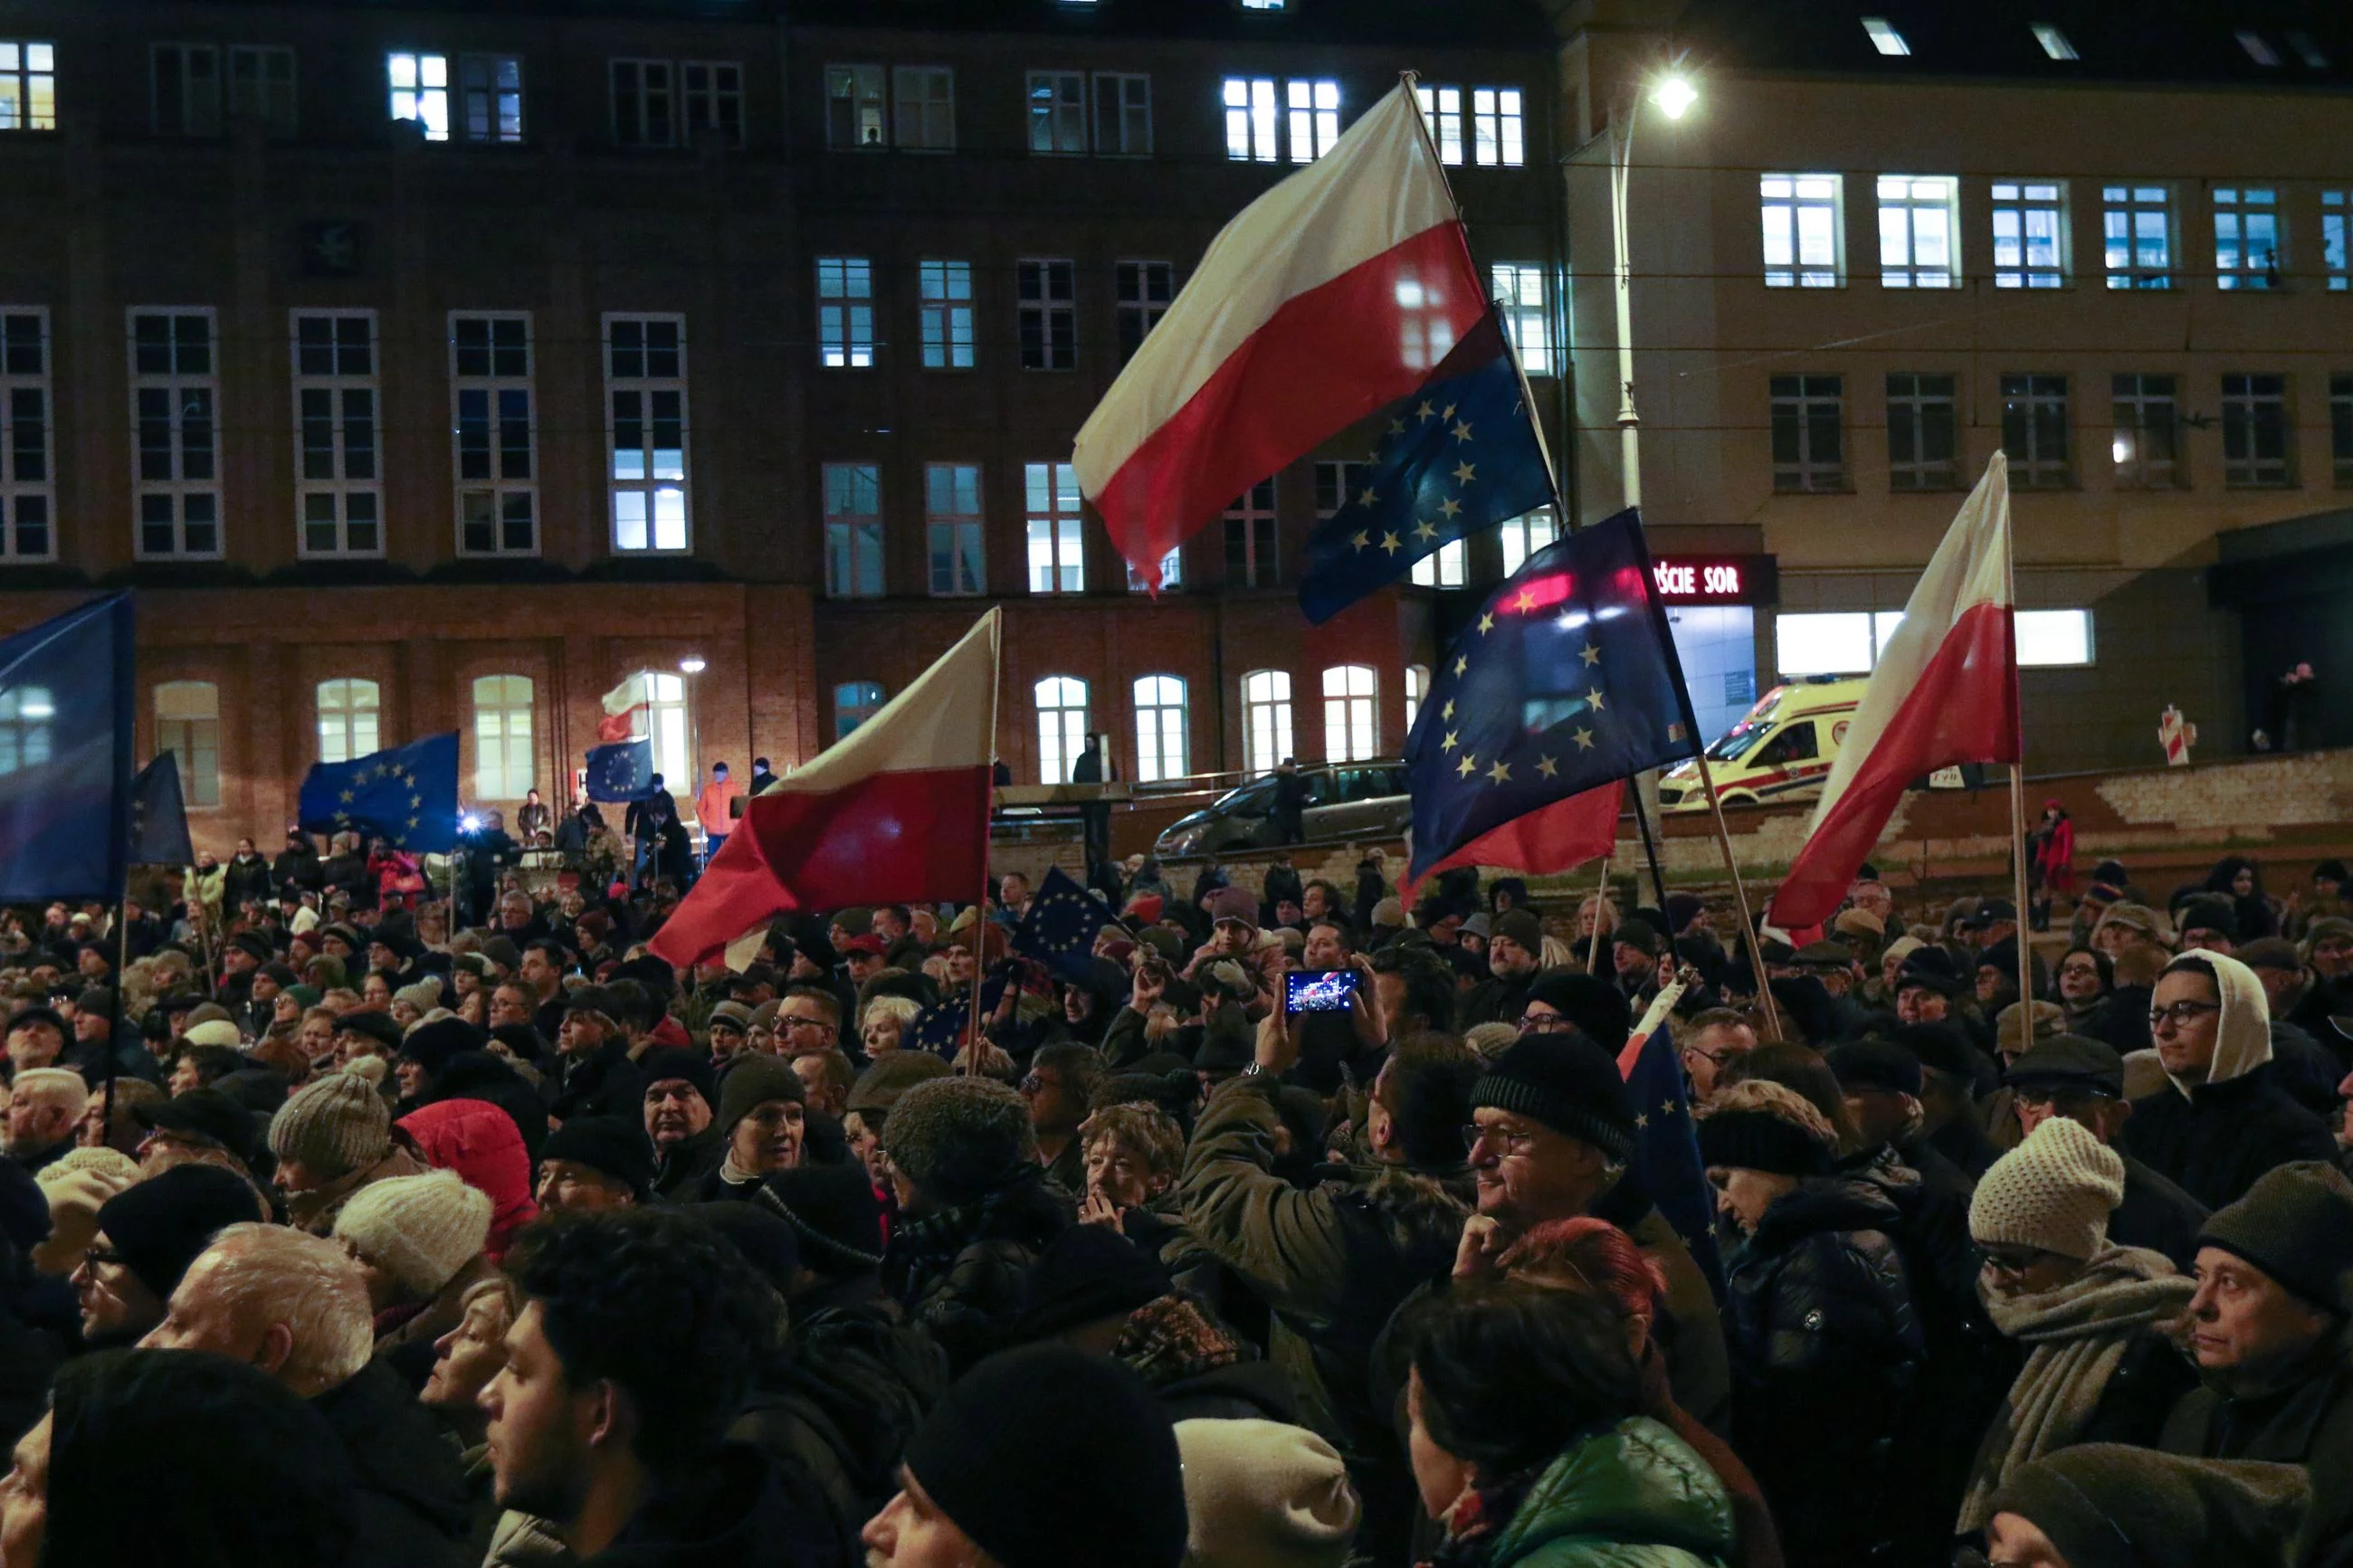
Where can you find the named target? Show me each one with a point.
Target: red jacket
(482, 1143)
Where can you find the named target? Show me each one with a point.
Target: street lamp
(692, 666)
(1672, 95)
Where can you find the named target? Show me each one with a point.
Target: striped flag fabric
(623, 706)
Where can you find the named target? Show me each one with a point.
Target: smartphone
(1320, 990)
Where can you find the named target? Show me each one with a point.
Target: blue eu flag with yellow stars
(1060, 928)
(159, 816)
(1458, 456)
(408, 795)
(1565, 680)
(1666, 1151)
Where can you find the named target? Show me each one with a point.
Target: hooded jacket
(479, 1142)
(1635, 1496)
(2215, 1137)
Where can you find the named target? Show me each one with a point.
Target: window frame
(265, 91)
(1518, 536)
(1055, 320)
(640, 136)
(180, 490)
(507, 739)
(195, 749)
(1798, 272)
(1443, 111)
(1137, 310)
(714, 105)
(1064, 120)
(421, 94)
(925, 137)
(28, 86)
(494, 388)
(2130, 394)
(1119, 113)
(187, 53)
(856, 701)
(1352, 717)
(2241, 421)
(965, 532)
(340, 489)
(1253, 521)
(845, 319)
(1528, 325)
(1057, 746)
(2237, 209)
(1257, 115)
(1910, 409)
(15, 488)
(2340, 428)
(350, 711)
(648, 388)
(1805, 473)
(855, 74)
(493, 94)
(857, 561)
(1162, 727)
(2023, 206)
(1503, 126)
(2131, 202)
(2029, 396)
(1060, 527)
(1267, 739)
(946, 324)
(1920, 195)
(1306, 109)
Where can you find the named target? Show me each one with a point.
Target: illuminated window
(1499, 130)
(2137, 224)
(1519, 295)
(1061, 703)
(1884, 37)
(1266, 720)
(2146, 443)
(845, 312)
(1918, 219)
(855, 111)
(1254, 553)
(1524, 536)
(944, 313)
(952, 524)
(854, 702)
(1351, 727)
(1441, 111)
(347, 719)
(1417, 688)
(1801, 230)
(490, 91)
(187, 725)
(1056, 554)
(2246, 237)
(28, 86)
(420, 92)
(2030, 234)
(504, 767)
(645, 380)
(2333, 246)
(1160, 729)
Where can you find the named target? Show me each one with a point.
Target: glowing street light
(691, 664)
(1674, 95)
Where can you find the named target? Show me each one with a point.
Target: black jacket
(959, 1273)
(2306, 1419)
(414, 1510)
(606, 1084)
(2157, 1215)
(2215, 1142)
(737, 1511)
(680, 1173)
(1492, 1000)
(480, 1075)
(1825, 1351)
(245, 877)
(298, 868)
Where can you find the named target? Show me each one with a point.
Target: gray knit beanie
(421, 1230)
(957, 1138)
(425, 995)
(2055, 1191)
(333, 1127)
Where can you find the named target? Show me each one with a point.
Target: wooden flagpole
(1740, 897)
(1593, 941)
(2018, 787)
(987, 816)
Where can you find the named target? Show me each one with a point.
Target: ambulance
(1779, 754)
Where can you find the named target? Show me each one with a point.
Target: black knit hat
(609, 1144)
(163, 1223)
(834, 1211)
(1760, 1141)
(752, 1081)
(674, 1061)
(1522, 927)
(2295, 1223)
(1089, 1271)
(1566, 1083)
(2113, 1505)
(1875, 1064)
(1046, 1456)
(2207, 915)
(1597, 1008)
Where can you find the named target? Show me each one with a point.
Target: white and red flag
(623, 706)
(896, 812)
(1330, 297)
(1945, 692)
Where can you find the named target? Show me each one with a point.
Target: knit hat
(2068, 1061)
(959, 1137)
(1597, 1008)
(2055, 1191)
(333, 1127)
(2114, 1505)
(252, 943)
(1261, 1494)
(503, 952)
(1760, 1141)
(1522, 927)
(2295, 1223)
(734, 1015)
(1231, 903)
(1634, 933)
(1046, 1455)
(164, 1223)
(877, 1088)
(213, 1032)
(1089, 1271)
(753, 1082)
(1875, 1064)
(1564, 1081)
(2207, 915)
(661, 1066)
(421, 1230)
(424, 996)
(835, 1212)
(610, 1145)
(1902, 948)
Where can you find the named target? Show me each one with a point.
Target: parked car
(1345, 800)
(1779, 752)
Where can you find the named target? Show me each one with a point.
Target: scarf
(1171, 1338)
(2079, 1333)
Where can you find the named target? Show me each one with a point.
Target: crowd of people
(339, 1229)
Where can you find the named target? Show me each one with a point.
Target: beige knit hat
(335, 1126)
(1259, 1494)
(420, 1230)
(2055, 1191)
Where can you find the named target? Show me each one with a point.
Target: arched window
(1266, 719)
(1061, 726)
(1351, 726)
(187, 725)
(347, 719)
(504, 765)
(1416, 686)
(1160, 727)
(854, 702)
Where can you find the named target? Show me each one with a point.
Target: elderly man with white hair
(296, 1306)
(44, 1106)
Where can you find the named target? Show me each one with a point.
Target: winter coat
(414, 1508)
(683, 1171)
(481, 1075)
(2157, 1215)
(315, 1210)
(245, 877)
(482, 1143)
(1690, 1332)
(735, 1511)
(2306, 1418)
(1635, 1496)
(296, 868)
(606, 1084)
(1826, 1350)
(960, 1273)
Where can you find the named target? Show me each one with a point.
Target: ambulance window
(1793, 744)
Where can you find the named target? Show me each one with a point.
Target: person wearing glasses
(147, 1235)
(2096, 1318)
(2083, 1080)
(2223, 1120)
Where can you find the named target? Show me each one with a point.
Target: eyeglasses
(102, 1258)
(2011, 1260)
(1476, 1136)
(2177, 1016)
(1544, 1024)
(801, 1021)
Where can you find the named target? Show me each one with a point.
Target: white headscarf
(2243, 1032)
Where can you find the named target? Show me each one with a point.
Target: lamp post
(1672, 95)
(689, 667)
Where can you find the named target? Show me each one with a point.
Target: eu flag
(1060, 928)
(1566, 680)
(66, 721)
(159, 816)
(622, 771)
(407, 795)
(1458, 456)
(1666, 1151)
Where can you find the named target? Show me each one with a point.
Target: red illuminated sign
(1717, 579)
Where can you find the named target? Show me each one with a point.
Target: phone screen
(1319, 990)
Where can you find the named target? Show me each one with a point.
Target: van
(1779, 754)
(1345, 800)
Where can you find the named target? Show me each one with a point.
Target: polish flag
(896, 812)
(622, 706)
(1548, 841)
(1330, 297)
(1945, 692)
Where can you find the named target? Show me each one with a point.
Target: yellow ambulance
(1779, 752)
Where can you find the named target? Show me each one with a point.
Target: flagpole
(2017, 788)
(121, 969)
(1740, 896)
(1593, 939)
(1649, 848)
(987, 816)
